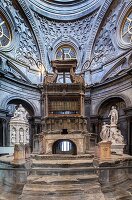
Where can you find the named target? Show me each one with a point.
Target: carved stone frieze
(76, 78)
(51, 78)
(27, 45)
(117, 70)
(104, 48)
(8, 69)
(53, 30)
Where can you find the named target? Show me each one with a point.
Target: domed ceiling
(64, 9)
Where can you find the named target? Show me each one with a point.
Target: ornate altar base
(78, 139)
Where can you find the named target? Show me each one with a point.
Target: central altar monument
(64, 125)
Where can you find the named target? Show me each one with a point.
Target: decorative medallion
(126, 29)
(5, 33)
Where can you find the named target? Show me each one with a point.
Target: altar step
(61, 187)
(63, 171)
(62, 156)
(66, 179)
(62, 180)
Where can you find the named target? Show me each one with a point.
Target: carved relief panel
(25, 45)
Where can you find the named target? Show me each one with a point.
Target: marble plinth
(117, 148)
(19, 154)
(104, 150)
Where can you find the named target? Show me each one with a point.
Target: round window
(126, 29)
(5, 33)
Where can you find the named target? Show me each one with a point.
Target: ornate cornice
(115, 80)
(65, 10)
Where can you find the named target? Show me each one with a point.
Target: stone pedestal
(117, 140)
(27, 151)
(112, 134)
(104, 150)
(19, 154)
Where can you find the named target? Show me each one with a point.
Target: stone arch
(71, 149)
(61, 43)
(104, 107)
(121, 96)
(33, 109)
(71, 42)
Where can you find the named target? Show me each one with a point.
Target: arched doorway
(103, 113)
(64, 147)
(12, 105)
(34, 124)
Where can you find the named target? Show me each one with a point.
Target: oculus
(5, 33)
(126, 29)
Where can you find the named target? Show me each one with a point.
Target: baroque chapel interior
(65, 100)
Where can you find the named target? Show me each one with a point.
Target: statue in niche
(20, 113)
(27, 135)
(114, 116)
(111, 132)
(13, 135)
(21, 135)
(104, 134)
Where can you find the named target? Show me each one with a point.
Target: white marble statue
(114, 115)
(104, 134)
(116, 136)
(20, 113)
(112, 133)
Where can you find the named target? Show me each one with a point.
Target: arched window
(65, 52)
